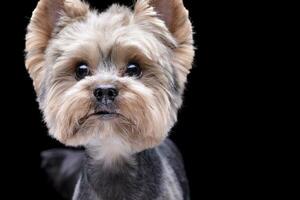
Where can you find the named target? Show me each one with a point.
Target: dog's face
(117, 74)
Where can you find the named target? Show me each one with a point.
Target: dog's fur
(126, 156)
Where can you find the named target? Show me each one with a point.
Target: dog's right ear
(48, 18)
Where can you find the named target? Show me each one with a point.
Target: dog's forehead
(116, 26)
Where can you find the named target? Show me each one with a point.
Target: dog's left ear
(176, 18)
(48, 18)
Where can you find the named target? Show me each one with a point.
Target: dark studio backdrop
(205, 132)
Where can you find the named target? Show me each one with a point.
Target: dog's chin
(97, 125)
(101, 127)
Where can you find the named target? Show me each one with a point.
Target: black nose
(106, 94)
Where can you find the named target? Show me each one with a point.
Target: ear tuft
(76, 8)
(176, 18)
(44, 21)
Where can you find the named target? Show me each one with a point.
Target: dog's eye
(133, 69)
(82, 70)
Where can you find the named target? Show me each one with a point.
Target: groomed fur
(120, 161)
(156, 34)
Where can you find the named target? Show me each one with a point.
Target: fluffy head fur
(156, 33)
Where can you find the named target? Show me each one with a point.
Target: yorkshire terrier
(112, 82)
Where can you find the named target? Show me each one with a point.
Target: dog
(112, 82)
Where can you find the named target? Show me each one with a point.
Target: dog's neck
(122, 176)
(110, 152)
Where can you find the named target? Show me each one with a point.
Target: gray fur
(156, 174)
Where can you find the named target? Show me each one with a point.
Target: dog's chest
(132, 182)
(151, 177)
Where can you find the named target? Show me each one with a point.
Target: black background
(212, 133)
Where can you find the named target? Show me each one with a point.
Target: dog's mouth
(106, 114)
(103, 114)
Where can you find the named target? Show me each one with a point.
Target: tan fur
(43, 22)
(177, 21)
(156, 34)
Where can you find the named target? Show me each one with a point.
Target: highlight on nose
(106, 93)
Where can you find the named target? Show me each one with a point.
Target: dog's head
(120, 73)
